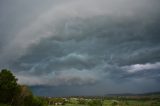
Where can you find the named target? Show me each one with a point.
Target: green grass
(123, 103)
(131, 103)
(74, 105)
(70, 105)
(107, 102)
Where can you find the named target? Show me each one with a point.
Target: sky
(82, 47)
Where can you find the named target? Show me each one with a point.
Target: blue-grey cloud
(103, 46)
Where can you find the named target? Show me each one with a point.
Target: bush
(95, 102)
(82, 101)
(114, 103)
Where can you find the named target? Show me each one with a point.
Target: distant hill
(134, 94)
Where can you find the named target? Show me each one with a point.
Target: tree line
(14, 94)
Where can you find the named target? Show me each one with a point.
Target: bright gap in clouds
(141, 67)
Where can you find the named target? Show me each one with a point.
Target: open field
(70, 105)
(120, 103)
(130, 103)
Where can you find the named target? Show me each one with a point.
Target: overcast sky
(82, 47)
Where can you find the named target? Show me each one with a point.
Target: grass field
(131, 103)
(123, 103)
(70, 105)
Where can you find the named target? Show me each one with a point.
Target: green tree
(8, 87)
(34, 101)
(24, 92)
(13, 94)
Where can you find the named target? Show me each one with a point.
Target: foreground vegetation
(14, 94)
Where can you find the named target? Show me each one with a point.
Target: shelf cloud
(99, 46)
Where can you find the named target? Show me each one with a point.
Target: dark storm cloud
(108, 53)
(103, 44)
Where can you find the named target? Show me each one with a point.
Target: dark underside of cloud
(102, 48)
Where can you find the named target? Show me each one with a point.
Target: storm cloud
(89, 47)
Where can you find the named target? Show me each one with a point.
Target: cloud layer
(89, 45)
